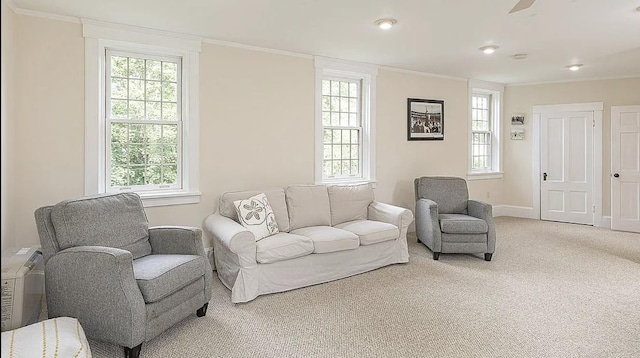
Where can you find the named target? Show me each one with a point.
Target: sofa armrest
(427, 224)
(484, 211)
(233, 236)
(96, 285)
(176, 240)
(400, 217)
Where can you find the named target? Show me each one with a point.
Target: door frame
(597, 108)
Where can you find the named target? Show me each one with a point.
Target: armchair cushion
(462, 224)
(450, 193)
(115, 221)
(349, 202)
(158, 276)
(371, 232)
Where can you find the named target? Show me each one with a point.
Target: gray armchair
(448, 222)
(125, 282)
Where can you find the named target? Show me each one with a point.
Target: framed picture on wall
(517, 118)
(425, 119)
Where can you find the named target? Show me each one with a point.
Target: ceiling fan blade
(521, 5)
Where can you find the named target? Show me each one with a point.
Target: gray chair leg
(436, 255)
(132, 352)
(487, 257)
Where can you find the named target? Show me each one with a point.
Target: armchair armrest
(428, 225)
(228, 233)
(96, 285)
(400, 217)
(484, 211)
(176, 240)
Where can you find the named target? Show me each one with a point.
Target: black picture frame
(425, 119)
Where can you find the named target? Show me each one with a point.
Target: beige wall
(519, 156)
(256, 122)
(48, 150)
(401, 161)
(6, 131)
(257, 126)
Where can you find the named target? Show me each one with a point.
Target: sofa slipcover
(249, 268)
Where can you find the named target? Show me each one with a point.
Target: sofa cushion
(282, 246)
(371, 232)
(256, 215)
(308, 205)
(462, 224)
(158, 276)
(114, 220)
(329, 239)
(349, 202)
(274, 195)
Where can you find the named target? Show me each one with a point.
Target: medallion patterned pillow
(256, 215)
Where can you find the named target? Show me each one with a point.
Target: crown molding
(604, 78)
(420, 73)
(11, 5)
(256, 48)
(46, 15)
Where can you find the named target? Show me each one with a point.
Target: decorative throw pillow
(256, 215)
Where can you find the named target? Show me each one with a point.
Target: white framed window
(345, 138)
(481, 132)
(485, 145)
(144, 122)
(142, 115)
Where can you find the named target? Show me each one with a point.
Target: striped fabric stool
(56, 337)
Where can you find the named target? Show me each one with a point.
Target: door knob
(616, 175)
(544, 176)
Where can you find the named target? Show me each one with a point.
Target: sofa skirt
(247, 283)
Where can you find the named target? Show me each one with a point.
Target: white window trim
(328, 67)
(98, 37)
(496, 90)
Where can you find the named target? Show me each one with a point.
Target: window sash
(482, 153)
(110, 121)
(341, 112)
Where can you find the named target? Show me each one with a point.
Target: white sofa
(326, 233)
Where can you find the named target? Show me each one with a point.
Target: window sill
(484, 175)
(357, 181)
(169, 198)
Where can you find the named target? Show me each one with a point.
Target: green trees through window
(144, 121)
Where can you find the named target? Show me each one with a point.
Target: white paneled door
(566, 165)
(625, 168)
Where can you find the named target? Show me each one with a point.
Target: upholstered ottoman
(57, 337)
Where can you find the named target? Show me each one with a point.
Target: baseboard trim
(606, 222)
(515, 211)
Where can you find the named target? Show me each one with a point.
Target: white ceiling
(434, 36)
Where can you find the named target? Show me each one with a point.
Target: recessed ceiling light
(574, 67)
(489, 49)
(385, 24)
(519, 56)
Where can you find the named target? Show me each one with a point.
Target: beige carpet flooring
(552, 290)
